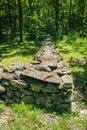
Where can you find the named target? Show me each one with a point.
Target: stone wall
(45, 81)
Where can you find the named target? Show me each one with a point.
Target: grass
(12, 52)
(31, 117)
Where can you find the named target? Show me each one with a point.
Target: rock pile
(45, 81)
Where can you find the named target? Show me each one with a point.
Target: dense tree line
(36, 18)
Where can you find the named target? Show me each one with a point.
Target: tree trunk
(20, 21)
(10, 18)
(56, 16)
(81, 8)
(69, 19)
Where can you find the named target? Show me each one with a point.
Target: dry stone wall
(45, 81)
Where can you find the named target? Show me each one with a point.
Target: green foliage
(2, 107)
(33, 118)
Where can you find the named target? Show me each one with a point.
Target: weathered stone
(8, 100)
(36, 86)
(60, 65)
(2, 89)
(66, 87)
(7, 76)
(19, 84)
(63, 71)
(41, 100)
(27, 92)
(17, 74)
(10, 93)
(6, 69)
(66, 79)
(28, 99)
(43, 68)
(5, 82)
(44, 76)
(48, 105)
(35, 62)
(50, 88)
(1, 72)
(19, 65)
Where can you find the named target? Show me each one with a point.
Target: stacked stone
(45, 81)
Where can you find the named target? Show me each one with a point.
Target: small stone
(60, 65)
(18, 74)
(10, 93)
(7, 76)
(66, 79)
(26, 92)
(36, 86)
(18, 65)
(1, 72)
(2, 89)
(41, 100)
(50, 88)
(8, 100)
(48, 105)
(19, 84)
(43, 68)
(28, 99)
(5, 82)
(63, 71)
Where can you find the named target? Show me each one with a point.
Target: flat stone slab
(19, 84)
(42, 75)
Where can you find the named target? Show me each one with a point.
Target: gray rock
(26, 92)
(63, 71)
(66, 79)
(7, 76)
(5, 82)
(60, 65)
(10, 93)
(2, 89)
(19, 65)
(50, 88)
(1, 72)
(19, 84)
(44, 76)
(17, 74)
(41, 100)
(28, 99)
(36, 87)
(43, 68)
(8, 100)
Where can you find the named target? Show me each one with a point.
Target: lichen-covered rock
(37, 87)
(5, 82)
(2, 89)
(50, 88)
(43, 68)
(41, 100)
(19, 84)
(7, 76)
(28, 99)
(1, 72)
(67, 79)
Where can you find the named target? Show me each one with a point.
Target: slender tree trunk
(20, 21)
(69, 19)
(14, 18)
(81, 8)
(10, 18)
(56, 16)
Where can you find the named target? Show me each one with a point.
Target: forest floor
(30, 117)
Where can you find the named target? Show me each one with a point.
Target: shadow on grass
(12, 49)
(80, 82)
